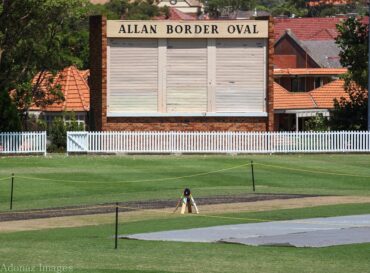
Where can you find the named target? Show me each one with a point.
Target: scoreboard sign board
(187, 68)
(206, 29)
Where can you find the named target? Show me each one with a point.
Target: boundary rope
(163, 211)
(192, 175)
(137, 181)
(252, 220)
(312, 171)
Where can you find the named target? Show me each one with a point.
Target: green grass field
(90, 249)
(103, 177)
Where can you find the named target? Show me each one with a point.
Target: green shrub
(317, 123)
(58, 132)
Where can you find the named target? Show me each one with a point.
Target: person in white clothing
(187, 201)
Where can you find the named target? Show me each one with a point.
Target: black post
(116, 235)
(11, 192)
(254, 185)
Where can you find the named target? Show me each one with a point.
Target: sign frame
(159, 29)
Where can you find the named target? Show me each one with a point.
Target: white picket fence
(23, 143)
(218, 142)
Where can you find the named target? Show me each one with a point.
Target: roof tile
(176, 14)
(75, 89)
(320, 98)
(310, 28)
(325, 95)
(283, 99)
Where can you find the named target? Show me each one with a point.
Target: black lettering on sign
(153, 29)
(169, 29)
(122, 29)
(242, 29)
(178, 29)
(187, 29)
(206, 29)
(136, 29)
(215, 29)
(231, 29)
(145, 29)
(197, 29)
(247, 30)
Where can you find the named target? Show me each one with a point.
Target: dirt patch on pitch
(165, 213)
(139, 205)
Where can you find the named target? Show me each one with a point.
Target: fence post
(45, 143)
(11, 192)
(116, 231)
(253, 183)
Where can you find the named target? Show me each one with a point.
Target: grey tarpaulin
(315, 232)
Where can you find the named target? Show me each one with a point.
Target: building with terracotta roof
(176, 14)
(292, 109)
(193, 7)
(315, 3)
(307, 42)
(74, 86)
(307, 70)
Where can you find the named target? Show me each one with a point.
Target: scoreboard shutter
(133, 75)
(240, 75)
(186, 86)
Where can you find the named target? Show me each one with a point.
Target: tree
(290, 8)
(354, 6)
(118, 7)
(130, 10)
(35, 38)
(142, 10)
(351, 113)
(216, 7)
(9, 119)
(353, 42)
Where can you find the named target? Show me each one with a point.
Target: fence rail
(23, 143)
(218, 142)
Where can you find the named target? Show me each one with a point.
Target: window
(298, 84)
(318, 82)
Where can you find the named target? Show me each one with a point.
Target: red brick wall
(186, 124)
(98, 89)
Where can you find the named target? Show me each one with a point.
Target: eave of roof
(292, 72)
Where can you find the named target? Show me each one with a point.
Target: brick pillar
(270, 73)
(270, 96)
(98, 76)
